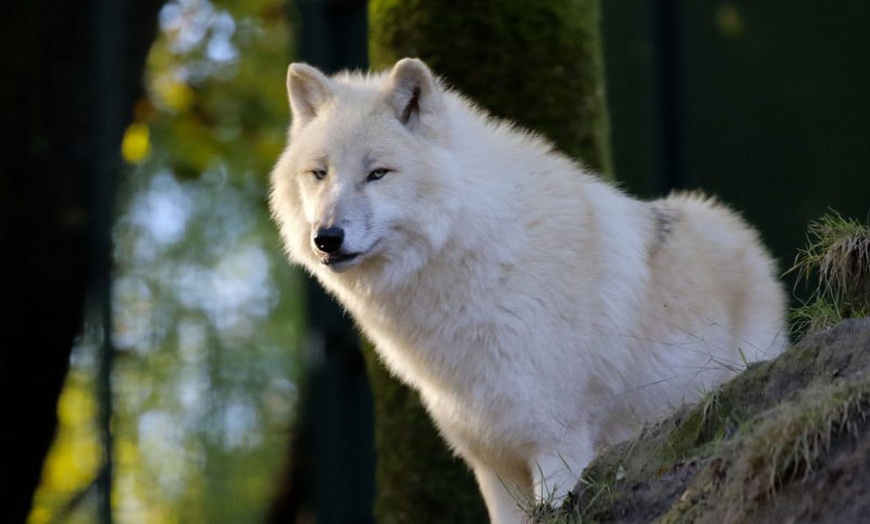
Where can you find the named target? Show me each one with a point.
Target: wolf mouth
(341, 261)
(338, 258)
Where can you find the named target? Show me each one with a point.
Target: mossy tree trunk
(539, 64)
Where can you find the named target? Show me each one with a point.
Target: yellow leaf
(136, 144)
(76, 454)
(175, 95)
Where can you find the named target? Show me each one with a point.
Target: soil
(786, 441)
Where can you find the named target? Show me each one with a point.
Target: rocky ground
(786, 441)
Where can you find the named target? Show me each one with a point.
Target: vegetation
(751, 449)
(838, 255)
(70, 74)
(203, 379)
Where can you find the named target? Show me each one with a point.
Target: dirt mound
(786, 441)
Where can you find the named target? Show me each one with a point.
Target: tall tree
(71, 71)
(539, 64)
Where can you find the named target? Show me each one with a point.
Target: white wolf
(540, 312)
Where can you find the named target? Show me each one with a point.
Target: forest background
(211, 345)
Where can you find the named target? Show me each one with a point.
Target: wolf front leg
(506, 501)
(556, 471)
(553, 478)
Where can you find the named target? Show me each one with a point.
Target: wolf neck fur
(466, 283)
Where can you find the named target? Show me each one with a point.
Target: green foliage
(207, 313)
(215, 82)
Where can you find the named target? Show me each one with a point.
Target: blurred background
(161, 362)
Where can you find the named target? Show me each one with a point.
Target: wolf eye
(377, 174)
(319, 174)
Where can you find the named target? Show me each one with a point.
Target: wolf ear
(308, 90)
(412, 92)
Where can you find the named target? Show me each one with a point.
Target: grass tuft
(570, 511)
(837, 256)
(816, 315)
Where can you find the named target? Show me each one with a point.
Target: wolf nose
(329, 239)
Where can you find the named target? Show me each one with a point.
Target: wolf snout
(329, 239)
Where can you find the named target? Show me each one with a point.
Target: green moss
(720, 414)
(704, 423)
(537, 63)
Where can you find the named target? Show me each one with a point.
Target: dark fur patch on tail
(664, 218)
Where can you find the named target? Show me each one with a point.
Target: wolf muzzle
(329, 239)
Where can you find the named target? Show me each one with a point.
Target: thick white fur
(540, 312)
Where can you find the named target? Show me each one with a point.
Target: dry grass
(790, 443)
(838, 257)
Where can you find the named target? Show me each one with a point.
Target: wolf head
(365, 182)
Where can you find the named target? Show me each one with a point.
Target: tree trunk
(71, 71)
(539, 64)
